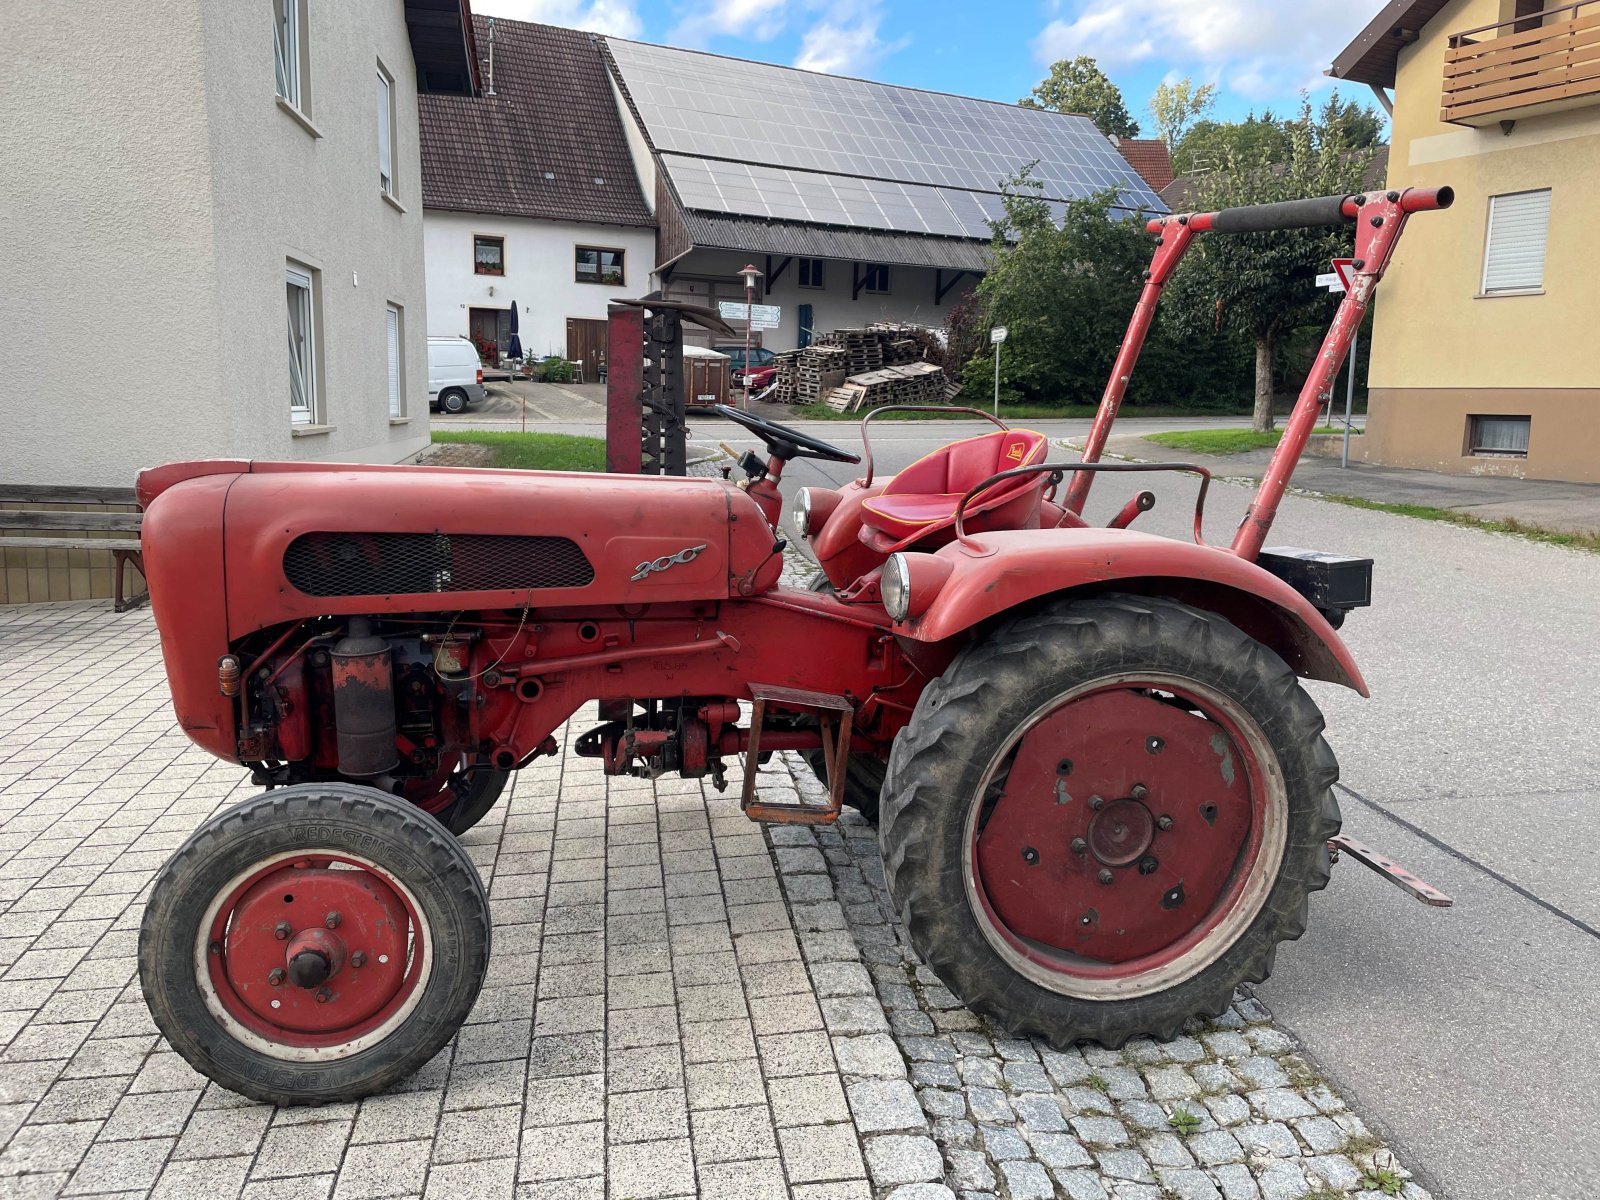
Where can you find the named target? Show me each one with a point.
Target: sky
(1259, 53)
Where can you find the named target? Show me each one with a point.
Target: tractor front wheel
(1105, 816)
(316, 943)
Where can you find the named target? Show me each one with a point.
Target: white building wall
(910, 298)
(539, 276)
(154, 190)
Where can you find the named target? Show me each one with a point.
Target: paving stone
(1125, 1164)
(1280, 1104)
(1059, 1151)
(937, 1102)
(1262, 1072)
(647, 1116)
(1273, 1139)
(990, 1104)
(969, 1170)
(903, 1158)
(1027, 1181)
(1003, 1144)
(1100, 1131)
(488, 1178)
(873, 1054)
(1081, 1185)
(1171, 1083)
(1189, 1185)
(1218, 1146)
(202, 1178)
(1282, 1181)
(821, 1152)
(561, 1151)
(641, 1169)
(1237, 1183)
(758, 1179)
(1333, 1170)
(880, 1106)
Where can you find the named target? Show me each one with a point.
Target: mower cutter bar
(1389, 869)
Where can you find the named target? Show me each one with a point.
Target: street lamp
(750, 275)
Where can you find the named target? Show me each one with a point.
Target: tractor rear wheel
(1105, 816)
(458, 797)
(316, 943)
(863, 774)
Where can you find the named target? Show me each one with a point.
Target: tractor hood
(309, 539)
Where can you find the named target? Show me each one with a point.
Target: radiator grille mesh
(378, 564)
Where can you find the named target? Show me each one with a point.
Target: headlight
(800, 513)
(894, 584)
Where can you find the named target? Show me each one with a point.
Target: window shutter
(393, 323)
(385, 137)
(1519, 225)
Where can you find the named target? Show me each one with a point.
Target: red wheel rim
(312, 955)
(434, 794)
(1125, 837)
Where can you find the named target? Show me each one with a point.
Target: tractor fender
(1000, 572)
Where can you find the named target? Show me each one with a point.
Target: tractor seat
(920, 502)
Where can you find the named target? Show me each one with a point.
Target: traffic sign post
(997, 335)
(1339, 281)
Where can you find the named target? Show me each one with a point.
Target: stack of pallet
(849, 355)
(925, 345)
(911, 383)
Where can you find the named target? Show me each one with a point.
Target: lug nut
(1096, 803)
(282, 931)
(323, 995)
(358, 959)
(1105, 876)
(1139, 791)
(275, 976)
(1148, 865)
(1079, 846)
(1163, 822)
(332, 920)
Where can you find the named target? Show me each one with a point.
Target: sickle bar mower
(1102, 791)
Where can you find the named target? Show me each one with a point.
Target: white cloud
(752, 20)
(1262, 49)
(620, 18)
(843, 39)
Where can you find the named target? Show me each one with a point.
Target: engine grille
(375, 564)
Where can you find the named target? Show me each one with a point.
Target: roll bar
(1315, 213)
(1379, 220)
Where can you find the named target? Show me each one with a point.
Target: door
(586, 344)
(805, 326)
(490, 329)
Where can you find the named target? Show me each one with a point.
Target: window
(875, 279)
(489, 255)
(301, 293)
(391, 323)
(288, 50)
(598, 265)
(385, 132)
(810, 272)
(1513, 260)
(1498, 437)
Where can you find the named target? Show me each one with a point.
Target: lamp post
(750, 275)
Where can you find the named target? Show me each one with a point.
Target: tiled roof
(1179, 194)
(1149, 157)
(548, 144)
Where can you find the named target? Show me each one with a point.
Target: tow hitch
(1389, 869)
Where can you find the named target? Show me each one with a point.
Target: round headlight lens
(895, 587)
(800, 512)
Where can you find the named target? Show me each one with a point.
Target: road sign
(1338, 280)
(762, 316)
(997, 335)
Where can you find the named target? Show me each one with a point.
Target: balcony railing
(1538, 63)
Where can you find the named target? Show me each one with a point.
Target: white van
(455, 375)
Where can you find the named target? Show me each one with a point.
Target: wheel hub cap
(315, 953)
(1123, 825)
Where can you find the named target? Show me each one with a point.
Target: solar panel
(916, 146)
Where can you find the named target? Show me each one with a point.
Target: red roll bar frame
(1380, 219)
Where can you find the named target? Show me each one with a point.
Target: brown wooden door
(586, 344)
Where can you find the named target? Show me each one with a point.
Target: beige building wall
(1442, 350)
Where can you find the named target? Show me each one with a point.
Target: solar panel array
(760, 140)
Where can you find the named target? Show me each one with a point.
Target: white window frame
(386, 132)
(395, 354)
(1504, 282)
(289, 52)
(302, 335)
(810, 274)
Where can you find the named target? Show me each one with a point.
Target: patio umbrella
(515, 349)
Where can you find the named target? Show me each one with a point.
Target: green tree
(1176, 106)
(1078, 85)
(1263, 285)
(1356, 125)
(1209, 144)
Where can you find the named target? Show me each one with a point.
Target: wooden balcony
(1524, 67)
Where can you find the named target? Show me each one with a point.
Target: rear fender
(1006, 571)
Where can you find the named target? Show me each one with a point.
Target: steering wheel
(784, 442)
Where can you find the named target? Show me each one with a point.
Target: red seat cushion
(922, 499)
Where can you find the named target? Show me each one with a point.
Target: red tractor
(1103, 795)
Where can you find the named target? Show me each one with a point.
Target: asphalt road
(1470, 1036)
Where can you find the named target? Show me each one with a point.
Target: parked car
(455, 374)
(761, 365)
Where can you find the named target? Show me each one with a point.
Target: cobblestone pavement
(678, 1004)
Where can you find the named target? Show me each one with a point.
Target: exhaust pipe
(363, 702)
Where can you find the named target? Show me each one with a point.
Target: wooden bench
(53, 522)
